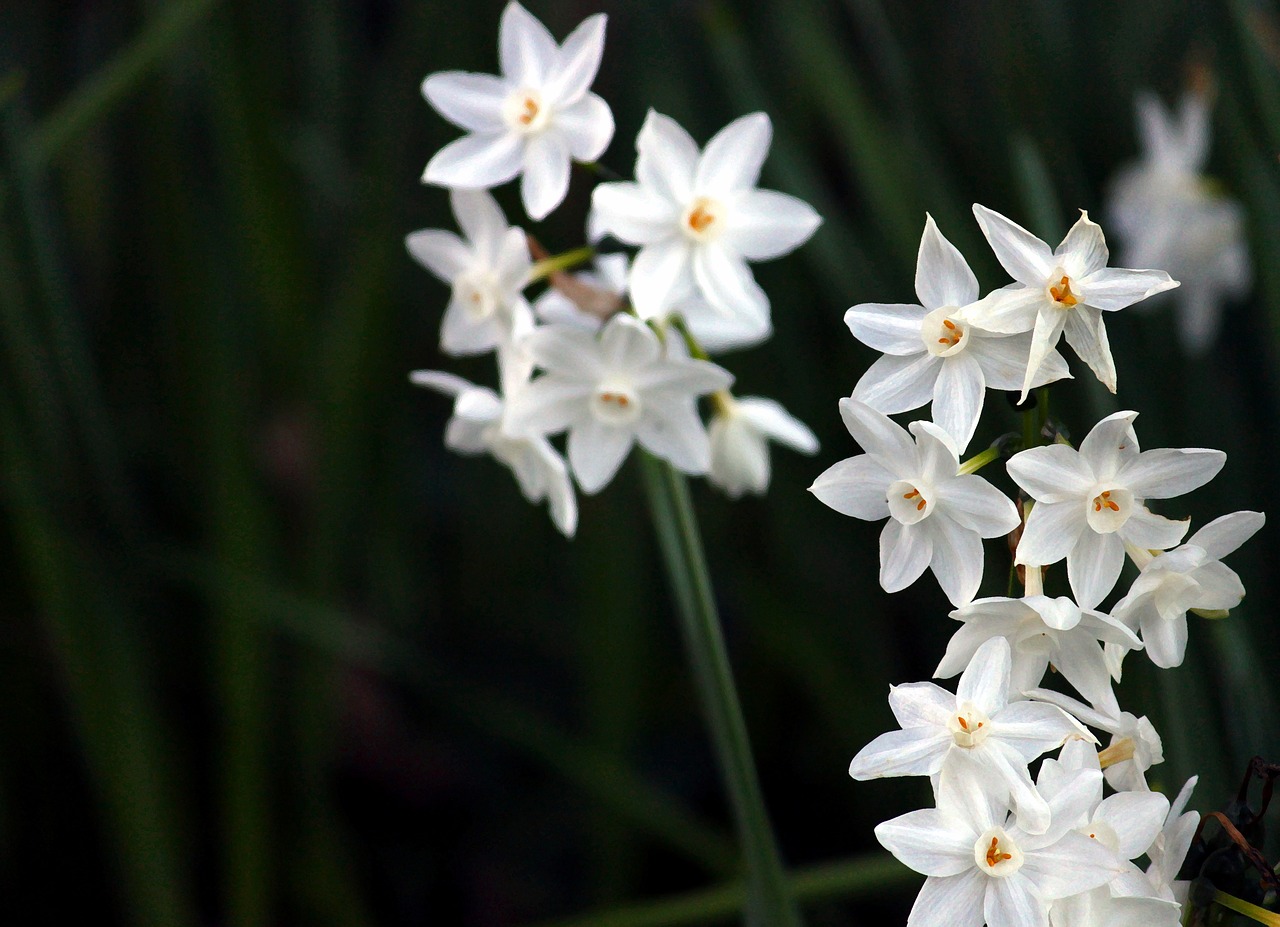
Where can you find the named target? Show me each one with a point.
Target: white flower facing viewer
(533, 119)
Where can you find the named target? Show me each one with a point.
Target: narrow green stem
(1240, 906)
(769, 900)
(978, 461)
(559, 262)
(1030, 431)
(696, 350)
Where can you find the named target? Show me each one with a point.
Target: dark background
(269, 654)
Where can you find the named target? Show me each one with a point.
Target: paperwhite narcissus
(931, 356)
(740, 432)
(1170, 847)
(977, 721)
(1167, 214)
(532, 120)
(1061, 291)
(612, 390)
(982, 867)
(698, 218)
(1134, 748)
(937, 516)
(487, 272)
(1090, 502)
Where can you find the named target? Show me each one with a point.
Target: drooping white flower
(487, 271)
(1166, 213)
(612, 390)
(1192, 576)
(698, 218)
(981, 866)
(933, 356)
(1061, 291)
(1134, 748)
(937, 516)
(1169, 851)
(532, 120)
(740, 432)
(1040, 631)
(977, 721)
(1090, 502)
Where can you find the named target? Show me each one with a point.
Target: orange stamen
(993, 856)
(530, 112)
(700, 218)
(1062, 292)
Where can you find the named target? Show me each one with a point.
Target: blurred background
(269, 654)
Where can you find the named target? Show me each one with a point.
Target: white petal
(658, 272)
(985, 681)
(472, 101)
(1010, 310)
(1087, 334)
(1093, 566)
(877, 433)
(1165, 640)
(1220, 586)
(922, 841)
(442, 253)
(666, 159)
(577, 62)
(1136, 818)
(725, 281)
(943, 277)
(764, 224)
(1149, 531)
(1033, 728)
(1032, 810)
(675, 433)
(957, 559)
(1110, 444)
(628, 344)
(917, 751)
(977, 505)
(1012, 902)
(475, 161)
(892, 328)
(566, 350)
(682, 377)
(1114, 288)
(739, 456)
(905, 551)
(1168, 472)
(770, 418)
(460, 335)
(587, 126)
(733, 157)
(1027, 259)
(546, 175)
(1004, 360)
(526, 51)
(1082, 664)
(855, 487)
(955, 901)
(899, 384)
(921, 704)
(958, 395)
(1044, 338)
(1053, 473)
(1073, 864)
(596, 450)
(481, 220)
(546, 406)
(633, 214)
(1053, 530)
(447, 383)
(1224, 535)
(1084, 250)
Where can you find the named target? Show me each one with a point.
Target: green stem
(559, 262)
(768, 896)
(978, 461)
(1240, 906)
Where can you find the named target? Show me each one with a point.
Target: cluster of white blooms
(1003, 846)
(615, 355)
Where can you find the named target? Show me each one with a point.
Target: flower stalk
(553, 265)
(769, 900)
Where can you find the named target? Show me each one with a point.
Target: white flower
(1167, 214)
(1040, 631)
(930, 355)
(699, 218)
(531, 120)
(978, 721)
(1090, 502)
(937, 516)
(613, 390)
(1098, 908)
(487, 271)
(1134, 748)
(740, 432)
(1065, 290)
(983, 867)
(1169, 851)
(1192, 576)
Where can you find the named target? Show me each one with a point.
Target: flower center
(909, 502)
(969, 726)
(615, 404)
(942, 335)
(1109, 509)
(703, 219)
(525, 111)
(478, 294)
(1061, 293)
(996, 855)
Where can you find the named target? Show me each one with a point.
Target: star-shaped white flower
(983, 867)
(1040, 631)
(698, 218)
(1135, 745)
(933, 356)
(487, 272)
(1191, 576)
(1090, 502)
(533, 119)
(740, 433)
(977, 721)
(612, 390)
(1064, 290)
(937, 515)
(1167, 214)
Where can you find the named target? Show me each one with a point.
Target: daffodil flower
(1135, 745)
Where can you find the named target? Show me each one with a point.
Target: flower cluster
(1004, 846)
(621, 349)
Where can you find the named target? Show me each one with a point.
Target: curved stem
(769, 900)
(559, 262)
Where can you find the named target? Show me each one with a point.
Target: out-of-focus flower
(487, 271)
(698, 218)
(930, 356)
(533, 119)
(1167, 214)
(937, 516)
(1061, 291)
(740, 433)
(611, 391)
